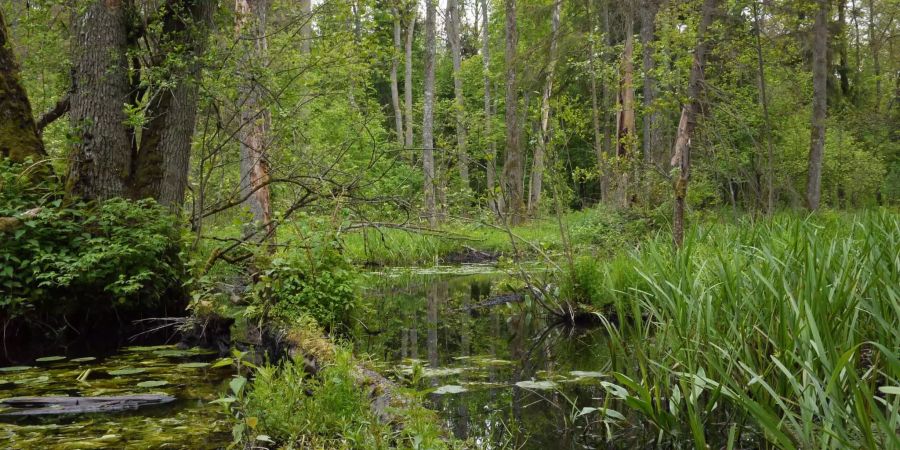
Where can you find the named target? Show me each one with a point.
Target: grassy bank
(782, 331)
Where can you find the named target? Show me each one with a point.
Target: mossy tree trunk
(19, 139)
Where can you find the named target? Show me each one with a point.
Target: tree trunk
(306, 27)
(407, 79)
(513, 166)
(595, 107)
(491, 166)
(253, 131)
(651, 143)
(843, 68)
(454, 11)
(681, 158)
(160, 167)
(428, 114)
(819, 105)
(101, 155)
(767, 124)
(625, 117)
(395, 91)
(876, 60)
(19, 138)
(537, 168)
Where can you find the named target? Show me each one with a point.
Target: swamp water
(188, 422)
(503, 376)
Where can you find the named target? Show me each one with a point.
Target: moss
(19, 140)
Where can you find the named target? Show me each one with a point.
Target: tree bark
(253, 131)
(819, 105)
(764, 104)
(513, 166)
(651, 142)
(101, 155)
(595, 107)
(625, 117)
(875, 48)
(454, 11)
(407, 79)
(428, 114)
(537, 168)
(843, 65)
(19, 138)
(681, 158)
(491, 159)
(395, 91)
(306, 28)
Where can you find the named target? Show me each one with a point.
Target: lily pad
(14, 368)
(194, 365)
(450, 389)
(50, 359)
(150, 348)
(586, 374)
(126, 371)
(152, 383)
(540, 385)
(84, 359)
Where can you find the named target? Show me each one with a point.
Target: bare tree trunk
(407, 79)
(605, 173)
(625, 118)
(19, 138)
(767, 124)
(101, 155)
(595, 107)
(395, 90)
(819, 106)
(876, 60)
(651, 143)
(454, 11)
(491, 169)
(513, 166)
(254, 123)
(682, 151)
(843, 68)
(428, 114)
(537, 168)
(306, 28)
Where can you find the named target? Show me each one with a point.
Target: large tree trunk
(681, 158)
(428, 114)
(254, 122)
(407, 79)
(652, 134)
(19, 139)
(819, 105)
(101, 155)
(513, 166)
(395, 90)
(454, 11)
(491, 159)
(160, 167)
(537, 168)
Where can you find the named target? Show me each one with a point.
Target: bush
(117, 253)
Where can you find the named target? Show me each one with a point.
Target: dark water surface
(504, 376)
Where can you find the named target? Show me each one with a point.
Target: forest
(448, 224)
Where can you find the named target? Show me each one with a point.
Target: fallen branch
(8, 224)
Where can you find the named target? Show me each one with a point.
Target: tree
(764, 104)
(625, 117)
(491, 166)
(819, 105)
(650, 119)
(681, 158)
(454, 11)
(395, 62)
(428, 114)
(407, 79)
(513, 165)
(253, 126)
(19, 139)
(537, 170)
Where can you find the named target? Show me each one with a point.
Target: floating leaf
(127, 371)
(542, 385)
(586, 374)
(450, 389)
(194, 365)
(148, 348)
(174, 353)
(85, 359)
(14, 368)
(152, 383)
(50, 358)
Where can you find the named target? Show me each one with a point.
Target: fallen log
(38, 406)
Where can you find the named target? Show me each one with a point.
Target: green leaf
(152, 383)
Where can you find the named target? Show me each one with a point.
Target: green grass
(784, 331)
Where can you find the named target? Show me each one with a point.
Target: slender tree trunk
(819, 105)
(407, 80)
(625, 118)
(454, 11)
(428, 114)
(395, 90)
(491, 166)
(843, 69)
(537, 168)
(306, 27)
(605, 100)
(254, 123)
(681, 158)
(101, 155)
(595, 107)
(19, 138)
(651, 143)
(764, 103)
(513, 166)
(876, 60)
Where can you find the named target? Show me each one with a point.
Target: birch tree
(428, 114)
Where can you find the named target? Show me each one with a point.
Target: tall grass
(784, 332)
